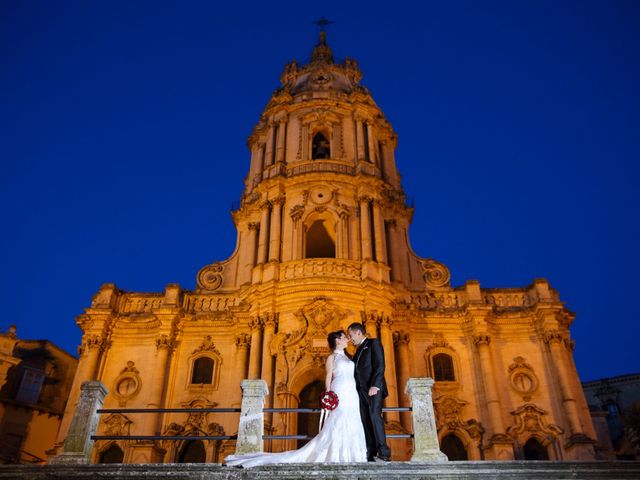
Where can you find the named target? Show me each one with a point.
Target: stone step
(388, 471)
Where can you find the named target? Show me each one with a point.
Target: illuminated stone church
(322, 242)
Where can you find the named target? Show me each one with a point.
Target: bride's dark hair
(333, 338)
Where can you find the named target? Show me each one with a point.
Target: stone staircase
(394, 470)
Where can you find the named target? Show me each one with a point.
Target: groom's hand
(373, 391)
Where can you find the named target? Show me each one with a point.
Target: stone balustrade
(79, 442)
(329, 267)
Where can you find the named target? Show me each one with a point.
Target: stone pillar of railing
(78, 444)
(425, 436)
(251, 426)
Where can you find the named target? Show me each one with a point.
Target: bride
(342, 436)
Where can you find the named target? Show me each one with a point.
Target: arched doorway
(113, 454)
(193, 452)
(534, 450)
(308, 422)
(453, 448)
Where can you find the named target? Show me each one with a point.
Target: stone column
(386, 338)
(499, 441)
(396, 268)
(281, 141)
(276, 228)
(365, 228)
(251, 247)
(383, 160)
(360, 139)
(164, 347)
(256, 348)
(264, 231)
(401, 340)
(296, 240)
(251, 427)
(242, 348)
(256, 165)
(343, 235)
(270, 322)
(378, 226)
(78, 445)
(372, 149)
(554, 340)
(425, 435)
(270, 154)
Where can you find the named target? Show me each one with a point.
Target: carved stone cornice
(296, 212)
(401, 338)
(364, 199)
(270, 320)
(551, 337)
(482, 339)
(279, 200)
(264, 205)
(165, 342)
(207, 345)
(94, 342)
(438, 342)
(243, 340)
(254, 226)
(386, 321)
(256, 324)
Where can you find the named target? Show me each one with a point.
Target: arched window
(113, 454)
(320, 147)
(308, 422)
(534, 450)
(453, 448)
(443, 368)
(202, 370)
(319, 243)
(193, 452)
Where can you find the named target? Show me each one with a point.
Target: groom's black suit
(369, 372)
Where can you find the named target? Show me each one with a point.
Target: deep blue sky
(123, 131)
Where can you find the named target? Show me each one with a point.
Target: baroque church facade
(322, 242)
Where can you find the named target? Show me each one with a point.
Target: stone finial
(78, 444)
(251, 425)
(172, 295)
(425, 442)
(472, 289)
(542, 288)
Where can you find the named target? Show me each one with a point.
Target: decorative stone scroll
(435, 274)
(210, 276)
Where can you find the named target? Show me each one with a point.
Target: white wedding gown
(342, 436)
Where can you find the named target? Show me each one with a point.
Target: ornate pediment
(529, 419)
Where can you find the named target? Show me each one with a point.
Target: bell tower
(322, 182)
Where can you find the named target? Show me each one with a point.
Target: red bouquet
(328, 400)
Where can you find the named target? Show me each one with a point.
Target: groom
(372, 388)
